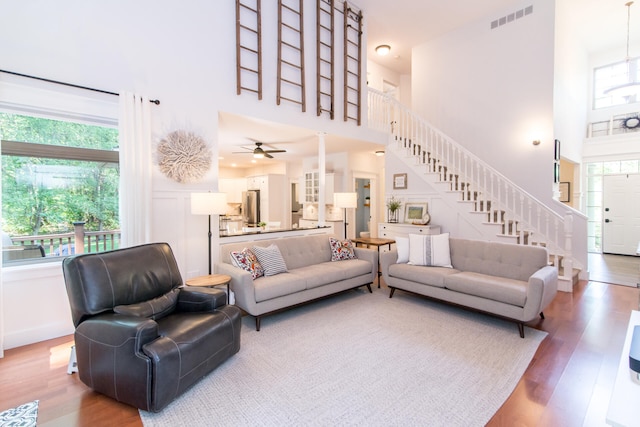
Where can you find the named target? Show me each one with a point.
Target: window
(59, 186)
(611, 75)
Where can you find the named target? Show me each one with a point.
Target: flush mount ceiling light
(380, 153)
(632, 87)
(383, 49)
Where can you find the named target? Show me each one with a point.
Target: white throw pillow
(432, 250)
(402, 245)
(271, 260)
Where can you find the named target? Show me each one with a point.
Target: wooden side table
(210, 281)
(377, 242)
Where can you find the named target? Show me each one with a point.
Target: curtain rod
(154, 101)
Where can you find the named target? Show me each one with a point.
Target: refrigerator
(251, 207)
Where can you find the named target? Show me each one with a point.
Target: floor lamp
(345, 201)
(209, 204)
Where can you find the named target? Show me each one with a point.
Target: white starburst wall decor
(184, 156)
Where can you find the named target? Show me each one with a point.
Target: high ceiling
(403, 24)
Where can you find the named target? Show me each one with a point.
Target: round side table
(210, 281)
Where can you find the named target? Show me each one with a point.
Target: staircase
(495, 206)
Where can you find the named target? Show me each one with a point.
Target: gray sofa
(506, 280)
(311, 274)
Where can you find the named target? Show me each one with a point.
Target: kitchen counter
(272, 234)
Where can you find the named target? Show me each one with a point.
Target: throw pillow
(341, 249)
(402, 245)
(247, 260)
(271, 260)
(431, 250)
(155, 309)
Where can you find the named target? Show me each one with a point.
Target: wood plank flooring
(568, 382)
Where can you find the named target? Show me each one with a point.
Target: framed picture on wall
(399, 181)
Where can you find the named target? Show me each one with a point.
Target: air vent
(512, 17)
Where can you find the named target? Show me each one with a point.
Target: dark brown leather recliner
(141, 338)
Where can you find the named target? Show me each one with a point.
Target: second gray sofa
(506, 280)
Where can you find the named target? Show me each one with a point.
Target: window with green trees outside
(58, 177)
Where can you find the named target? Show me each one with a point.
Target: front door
(621, 214)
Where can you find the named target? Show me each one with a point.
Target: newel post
(78, 231)
(567, 260)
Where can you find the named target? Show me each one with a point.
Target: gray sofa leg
(257, 323)
(542, 315)
(391, 292)
(521, 329)
(369, 287)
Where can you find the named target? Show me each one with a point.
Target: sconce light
(383, 49)
(380, 153)
(536, 142)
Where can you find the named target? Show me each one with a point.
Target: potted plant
(393, 205)
(262, 225)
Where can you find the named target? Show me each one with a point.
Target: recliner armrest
(200, 299)
(115, 330)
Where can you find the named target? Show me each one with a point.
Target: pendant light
(632, 87)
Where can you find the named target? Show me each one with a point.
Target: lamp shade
(345, 200)
(208, 203)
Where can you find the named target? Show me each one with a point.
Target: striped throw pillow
(271, 260)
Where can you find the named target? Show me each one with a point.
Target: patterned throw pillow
(271, 260)
(247, 260)
(341, 249)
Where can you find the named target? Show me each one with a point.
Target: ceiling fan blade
(242, 152)
(275, 151)
(267, 155)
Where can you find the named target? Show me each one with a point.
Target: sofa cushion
(331, 272)
(402, 245)
(430, 250)
(155, 309)
(341, 249)
(508, 291)
(247, 260)
(432, 276)
(269, 287)
(271, 260)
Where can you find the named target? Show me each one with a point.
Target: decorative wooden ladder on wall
(248, 47)
(325, 27)
(290, 85)
(352, 64)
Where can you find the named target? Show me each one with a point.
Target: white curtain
(135, 169)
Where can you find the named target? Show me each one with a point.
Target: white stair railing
(524, 217)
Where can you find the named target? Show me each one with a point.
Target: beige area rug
(361, 359)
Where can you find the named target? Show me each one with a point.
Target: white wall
(492, 91)
(572, 89)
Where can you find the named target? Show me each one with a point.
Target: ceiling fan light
(258, 155)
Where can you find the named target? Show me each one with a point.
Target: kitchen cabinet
(233, 187)
(312, 187)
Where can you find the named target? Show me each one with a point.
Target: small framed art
(399, 181)
(416, 213)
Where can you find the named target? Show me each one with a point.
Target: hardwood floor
(568, 383)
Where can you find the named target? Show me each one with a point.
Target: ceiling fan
(259, 152)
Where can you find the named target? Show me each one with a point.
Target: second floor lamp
(345, 201)
(209, 204)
